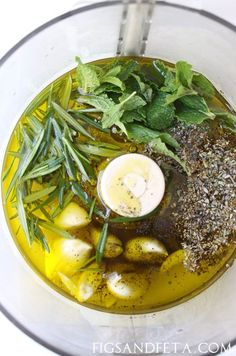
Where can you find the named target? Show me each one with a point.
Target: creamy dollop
(132, 185)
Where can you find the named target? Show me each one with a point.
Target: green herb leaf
(64, 115)
(8, 170)
(195, 102)
(52, 227)
(99, 151)
(22, 214)
(89, 121)
(30, 154)
(102, 243)
(159, 115)
(113, 115)
(193, 110)
(85, 199)
(101, 103)
(66, 93)
(35, 124)
(132, 116)
(107, 88)
(92, 208)
(162, 69)
(30, 198)
(227, 120)
(75, 156)
(69, 164)
(115, 81)
(127, 69)
(142, 134)
(203, 86)
(184, 74)
(160, 147)
(180, 93)
(44, 168)
(63, 204)
(38, 235)
(87, 77)
(133, 103)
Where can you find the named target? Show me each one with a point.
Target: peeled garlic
(127, 286)
(67, 256)
(88, 283)
(72, 217)
(174, 259)
(113, 246)
(146, 250)
(68, 283)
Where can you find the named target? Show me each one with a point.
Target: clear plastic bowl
(177, 32)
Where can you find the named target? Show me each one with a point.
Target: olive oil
(124, 282)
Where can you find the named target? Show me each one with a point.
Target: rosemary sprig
(69, 164)
(102, 243)
(65, 98)
(44, 168)
(44, 96)
(99, 151)
(22, 214)
(85, 199)
(52, 227)
(76, 157)
(30, 154)
(65, 116)
(66, 200)
(37, 234)
(35, 124)
(88, 120)
(30, 198)
(6, 173)
(88, 262)
(92, 206)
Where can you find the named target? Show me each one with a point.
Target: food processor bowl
(93, 32)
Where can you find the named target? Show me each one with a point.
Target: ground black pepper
(206, 206)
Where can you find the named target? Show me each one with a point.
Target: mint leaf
(101, 103)
(87, 77)
(141, 86)
(193, 110)
(134, 115)
(113, 72)
(133, 103)
(203, 86)
(195, 102)
(180, 93)
(189, 116)
(158, 146)
(113, 80)
(161, 68)
(169, 140)
(177, 84)
(227, 120)
(159, 115)
(108, 88)
(113, 114)
(184, 74)
(142, 134)
(111, 77)
(127, 69)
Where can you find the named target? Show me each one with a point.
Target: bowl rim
(46, 25)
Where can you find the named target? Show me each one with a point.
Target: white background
(17, 18)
